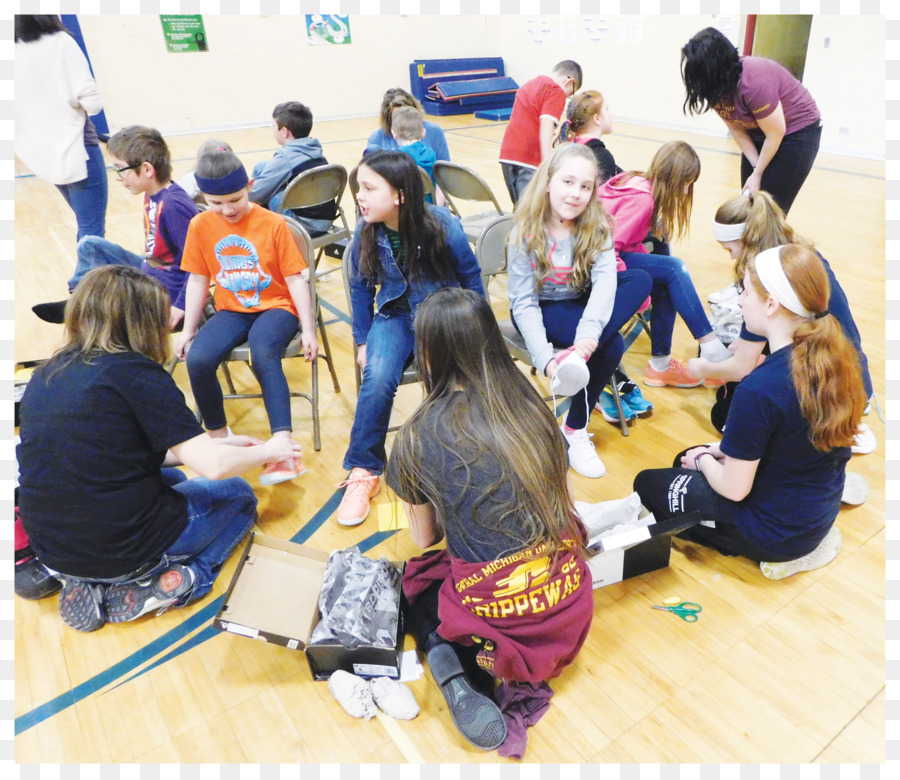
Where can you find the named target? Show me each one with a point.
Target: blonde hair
(115, 308)
(765, 227)
(592, 230)
(407, 124)
(825, 366)
(674, 166)
(582, 107)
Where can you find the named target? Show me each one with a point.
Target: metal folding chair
(457, 181)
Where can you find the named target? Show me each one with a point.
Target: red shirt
(540, 96)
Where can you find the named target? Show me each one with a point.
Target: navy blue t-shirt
(94, 438)
(796, 493)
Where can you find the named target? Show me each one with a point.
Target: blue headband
(225, 185)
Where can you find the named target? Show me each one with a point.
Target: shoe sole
(589, 476)
(350, 522)
(659, 383)
(274, 479)
(80, 609)
(155, 601)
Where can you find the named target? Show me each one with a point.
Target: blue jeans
(93, 252)
(788, 169)
(561, 320)
(389, 347)
(673, 293)
(516, 178)
(268, 333)
(88, 197)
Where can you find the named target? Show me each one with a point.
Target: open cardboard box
(636, 551)
(274, 596)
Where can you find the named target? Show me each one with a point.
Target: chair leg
(623, 423)
(326, 356)
(317, 435)
(227, 373)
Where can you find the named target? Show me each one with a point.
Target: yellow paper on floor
(391, 517)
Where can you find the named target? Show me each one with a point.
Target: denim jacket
(392, 283)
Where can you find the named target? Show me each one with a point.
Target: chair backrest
(314, 186)
(427, 182)
(490, 248)
(457, 181)
(305, 245)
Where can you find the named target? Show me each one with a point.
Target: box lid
(633, 536)
(275, 591)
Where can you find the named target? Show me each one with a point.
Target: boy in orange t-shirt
(260, 298)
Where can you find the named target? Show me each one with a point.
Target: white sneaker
(353, 694)
(864, 441)
(856, 489)
(723, 295)
(394, 698)
(583, 458)
(571, 375)
(824, 554)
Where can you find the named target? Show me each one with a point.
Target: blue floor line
(334, 310)
(132, 662)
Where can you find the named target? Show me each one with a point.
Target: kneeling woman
(773, 486)
(99, 423)
(483, 463)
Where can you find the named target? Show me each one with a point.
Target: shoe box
(619, 556)
(274, 597)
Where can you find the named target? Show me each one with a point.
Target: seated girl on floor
(772, 489)
(482, 463)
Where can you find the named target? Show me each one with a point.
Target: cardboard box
(636, 551)
(274, 596)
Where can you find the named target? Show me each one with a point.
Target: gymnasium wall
(255, 62)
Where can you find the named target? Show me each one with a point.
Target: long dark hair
(31, 27)
(710, 69)
(420, 231)
(459, 345)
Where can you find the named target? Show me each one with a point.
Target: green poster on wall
(184, 32)
(327, 28)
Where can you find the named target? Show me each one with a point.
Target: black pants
(673, 491)
(788, 169)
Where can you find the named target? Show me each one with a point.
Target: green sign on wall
(184, 32)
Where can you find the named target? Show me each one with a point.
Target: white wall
(255, 62)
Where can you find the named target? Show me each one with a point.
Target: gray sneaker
(81, 604)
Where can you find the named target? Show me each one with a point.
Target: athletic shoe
(33, 580)
(360, 486)
(54, 312)
(636, 402)
(864, 441)
(282, 470)
(675, 375)
(606, 405)
(824, 554)
(725, 294)
(856, 489)
(353, 694)
(394, 698)
(583, 458)
(476, 717)
(81, 604)
(571, 375)
(131, 600)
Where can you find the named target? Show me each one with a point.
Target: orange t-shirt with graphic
(248, 260)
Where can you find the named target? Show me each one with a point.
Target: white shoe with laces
(394, 698)
(572, 374)
(725, 294)
(824, 554)
(864, 441)
(353, 694)
(583, 458)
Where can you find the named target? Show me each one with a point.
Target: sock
(714, 351)
(567, 430)
(660, 362)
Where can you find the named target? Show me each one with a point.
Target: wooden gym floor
(781, 672)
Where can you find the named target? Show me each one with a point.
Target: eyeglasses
(120, 171)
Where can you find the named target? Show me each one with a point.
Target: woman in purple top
(771, 115)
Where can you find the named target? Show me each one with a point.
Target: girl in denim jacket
(402, 251)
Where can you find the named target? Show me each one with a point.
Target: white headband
(771, 274)
(728, 232)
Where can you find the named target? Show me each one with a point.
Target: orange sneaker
(282, 470)
(360, 486)
(675, 375)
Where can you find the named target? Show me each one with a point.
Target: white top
(54, 94)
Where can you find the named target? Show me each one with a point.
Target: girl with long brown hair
(772, 488)
(482, 464)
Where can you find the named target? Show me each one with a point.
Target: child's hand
(689, 459)
(310, 346)
(281, 448)
(180, 345)
(697, 367)
(585, 347)
(361, 356)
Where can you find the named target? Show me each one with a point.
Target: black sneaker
(33, 581)
(81, 604)
(134, 599)
(476, 716)
(54, 312)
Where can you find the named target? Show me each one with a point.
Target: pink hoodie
(631, 205)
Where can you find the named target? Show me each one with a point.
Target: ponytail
(825, 366)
